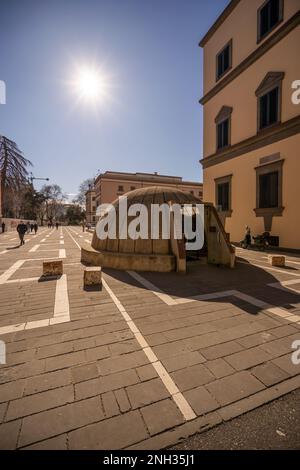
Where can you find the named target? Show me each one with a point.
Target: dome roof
(146, 196)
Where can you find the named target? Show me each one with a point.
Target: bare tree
(13, 169)
(83, 188)
(53, 200)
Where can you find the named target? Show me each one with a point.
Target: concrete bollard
(277, 260)
(92, 276)
(53, 268)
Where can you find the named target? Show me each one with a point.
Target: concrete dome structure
(149, 254)
(146, 196)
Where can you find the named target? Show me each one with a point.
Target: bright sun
(90, 85)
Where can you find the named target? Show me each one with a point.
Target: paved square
(147, 359)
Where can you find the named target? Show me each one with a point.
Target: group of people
(50, 224)
(23, 228)
(29, 227)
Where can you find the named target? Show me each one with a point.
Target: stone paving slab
(88, 382)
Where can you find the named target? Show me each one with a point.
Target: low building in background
(112, 184)
(251, 125)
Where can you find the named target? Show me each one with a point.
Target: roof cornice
(220, 20)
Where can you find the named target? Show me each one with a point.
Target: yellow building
(251, 160)
(90, 206)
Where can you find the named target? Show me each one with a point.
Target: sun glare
(90, 85)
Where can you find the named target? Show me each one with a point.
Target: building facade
(90, 206)
(111, 184)
(251, 164)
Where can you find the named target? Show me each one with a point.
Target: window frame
(223, 115)
(269, 212)
(271, 81)
(270, 124)
(281, 15)
(228, 44)
(261, 203)
(224, 146)
(219, 181)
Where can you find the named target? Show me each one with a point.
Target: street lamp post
(32, 178)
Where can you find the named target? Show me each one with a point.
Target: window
(268, 190)
(93, 198)
(223, 195)
(268, 104)
(192, 192)
(224, 60)
(223, 125)
(120, 188)
(223, 134)
(269, 16)
(132, 188)
(269, 95)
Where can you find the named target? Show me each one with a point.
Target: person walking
(22, 229)
(3, 227)
(56, 225)
(35, 227)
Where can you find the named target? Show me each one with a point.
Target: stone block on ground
(277, 260)
(92, 276)
(53, 268)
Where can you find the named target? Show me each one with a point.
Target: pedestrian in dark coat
(22, 229)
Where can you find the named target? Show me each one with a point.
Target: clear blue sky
(148, 48)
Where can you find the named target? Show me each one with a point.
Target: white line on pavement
(73, 239)
(61, 310)
(277, 311)
(34, 248)
(288, 273)
(61, 305)
(168, 382)
(10, 271)
(285, 285)
(164, 297)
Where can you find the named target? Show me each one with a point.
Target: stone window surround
(269, 213)
(222, 180)
(271, 80)
(229, 43)
(281, 15)
(224, 114)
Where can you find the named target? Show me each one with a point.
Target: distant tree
(53, 201)
(75, 215)
(83, 188)
(13, 170)
(32, 203)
